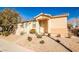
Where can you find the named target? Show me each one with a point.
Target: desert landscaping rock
(29, 38)
(42, 42)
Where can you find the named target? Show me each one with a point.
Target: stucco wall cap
(42, 14)
(62, 15)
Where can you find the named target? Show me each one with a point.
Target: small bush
(29, 39)
(48, 35)
(42, 42)
(39, 36)
(22, 33)
(32, 31)
(5, 33)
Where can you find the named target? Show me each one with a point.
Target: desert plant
(5, 33)
(39, 36)
(48, 35)
(22, 33)
(29, 39)
(42, 42)
(70, 26)
(32, 31)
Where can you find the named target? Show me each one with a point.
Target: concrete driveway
(11, 46)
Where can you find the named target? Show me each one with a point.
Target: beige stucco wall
(19, 29)
(58, 25)
(27, 26)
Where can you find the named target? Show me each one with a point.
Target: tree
(8, 21)
(70, 26)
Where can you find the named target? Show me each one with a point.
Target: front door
(44, 25)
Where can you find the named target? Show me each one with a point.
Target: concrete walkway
(7, 46)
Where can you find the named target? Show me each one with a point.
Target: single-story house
(45, 23)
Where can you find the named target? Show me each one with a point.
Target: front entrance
(44, 24)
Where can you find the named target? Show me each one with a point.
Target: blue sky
(29, 12)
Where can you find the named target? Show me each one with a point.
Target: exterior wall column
(49, 26)
(37, 27)
(25, 27)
